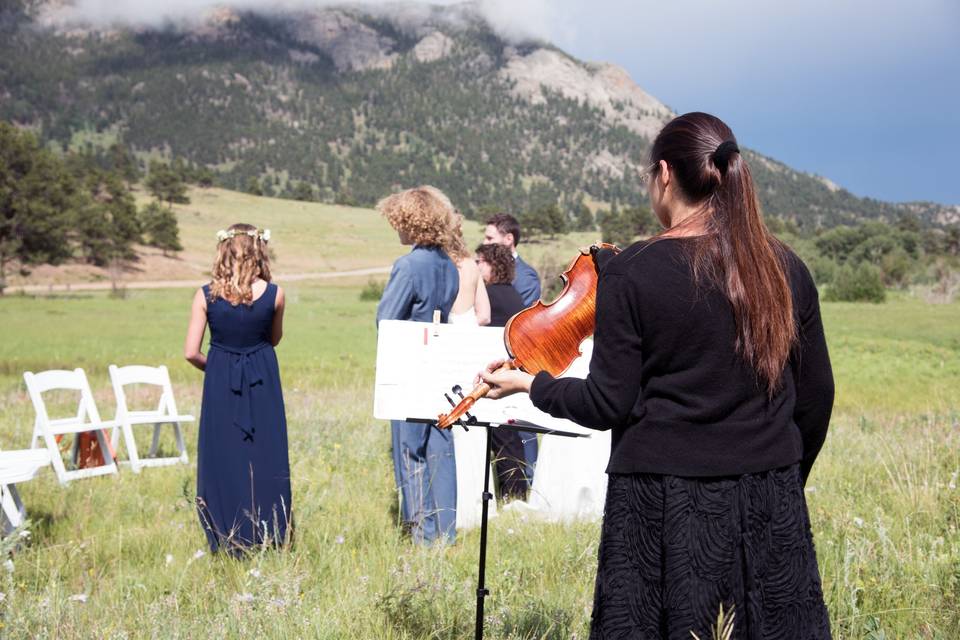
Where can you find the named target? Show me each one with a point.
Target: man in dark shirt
(504, 229)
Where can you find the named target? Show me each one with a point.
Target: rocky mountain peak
(351, 44)
(605, 86)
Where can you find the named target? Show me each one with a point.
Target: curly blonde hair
(241, 259)
(422, 214)
(452, 241)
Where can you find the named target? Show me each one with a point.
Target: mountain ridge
(353, 104)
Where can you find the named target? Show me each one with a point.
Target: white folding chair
(165, 413)
(16, 467)
(86, 419)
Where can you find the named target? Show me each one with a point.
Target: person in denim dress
(421, 282)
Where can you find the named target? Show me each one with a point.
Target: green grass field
(883, 498)
(121, 557)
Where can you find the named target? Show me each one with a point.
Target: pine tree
(204, 177)
(124, 163)
(38, 198)
(583, 219)
(304, 191)
(641, 220)
(108, 222)
(166, 184)
(254, 187)
(160, 226)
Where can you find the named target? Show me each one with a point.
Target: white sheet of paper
(417, 362)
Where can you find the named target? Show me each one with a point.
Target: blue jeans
(531, 451)
(425, 470)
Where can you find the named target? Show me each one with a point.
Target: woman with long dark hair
(710, 366)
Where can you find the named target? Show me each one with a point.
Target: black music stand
(509, 425)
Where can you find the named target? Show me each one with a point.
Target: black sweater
(666, 378)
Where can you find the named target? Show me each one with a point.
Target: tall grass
(124, 557)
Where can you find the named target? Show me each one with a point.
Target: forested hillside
(341, 106)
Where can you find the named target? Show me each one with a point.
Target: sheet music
(417, 362)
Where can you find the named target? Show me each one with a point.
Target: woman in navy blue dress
(243, 472)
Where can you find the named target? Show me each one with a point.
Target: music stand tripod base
(509, 425)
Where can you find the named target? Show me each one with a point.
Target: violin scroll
(447, 420)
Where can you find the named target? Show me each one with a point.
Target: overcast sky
(864, 92)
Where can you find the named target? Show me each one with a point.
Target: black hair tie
(721, 157)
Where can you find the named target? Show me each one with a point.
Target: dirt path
(174, 284)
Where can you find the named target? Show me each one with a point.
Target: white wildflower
(8, 565)
(339, 540)
(24, 534)
(255, 572)
(243, 597)
(78, 597)
(858, 522)
(199, 554)
(953, 479)
(169, 558)
(510, 532)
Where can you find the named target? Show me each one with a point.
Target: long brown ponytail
(737, 253)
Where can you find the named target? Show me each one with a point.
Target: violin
(547, 336)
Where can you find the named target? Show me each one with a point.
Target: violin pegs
(450, 400)
(457, 389)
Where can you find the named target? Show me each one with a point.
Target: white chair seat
(17, 466)
(63, 428)
(22, 465)
(154, 417)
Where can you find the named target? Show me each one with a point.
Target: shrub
(863, 283)
(373, 291)
(822, 269)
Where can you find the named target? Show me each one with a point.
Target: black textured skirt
(672, 550)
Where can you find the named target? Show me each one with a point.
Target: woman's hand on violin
(505, 382)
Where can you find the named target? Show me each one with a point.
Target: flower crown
(227, 234)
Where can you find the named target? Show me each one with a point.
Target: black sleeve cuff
(539, 389)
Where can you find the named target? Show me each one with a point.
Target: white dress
(470, 452)
(571, 481)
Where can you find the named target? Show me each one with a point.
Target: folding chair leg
(56, 458)
(13, 511)
(115, 437)
(181, 447)
(131, 444)
(155, 445)
(106, 450)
